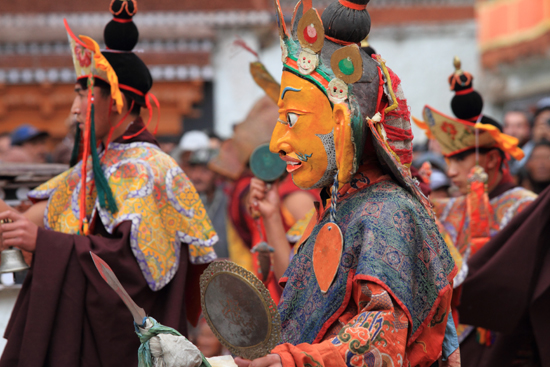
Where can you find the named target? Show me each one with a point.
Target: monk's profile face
(304, 133)
(102, 104)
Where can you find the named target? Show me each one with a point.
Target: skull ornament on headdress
(334, 97)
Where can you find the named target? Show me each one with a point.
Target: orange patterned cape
(454, 221)
(452, 214)
(153, 193)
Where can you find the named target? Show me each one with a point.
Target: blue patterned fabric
(450, 342)
(389, 238)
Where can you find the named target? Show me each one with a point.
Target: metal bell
(12, 261)
(12, 258)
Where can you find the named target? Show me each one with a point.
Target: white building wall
(234, 89)
(422, 56)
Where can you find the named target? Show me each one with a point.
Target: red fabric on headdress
(397, 124)
(354, 6)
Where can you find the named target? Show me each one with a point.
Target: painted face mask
(334, 97)
(304, 134)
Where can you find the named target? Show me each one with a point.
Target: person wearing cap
(28, 145)
(477, 155)
(371, 282)
(439, 184)
(190, 142)
(124, 200)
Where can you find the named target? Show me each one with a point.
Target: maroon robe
(508, 290)
(66, 315)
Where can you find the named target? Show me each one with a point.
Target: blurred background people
(214, 141)
(190, 142)
(518, 125)
(28, 145)
(537, 168)
(64, 150)
(541, 121)
(439, 184)
(291, 204)
(211, 191)
(167, 143)
(5, 144)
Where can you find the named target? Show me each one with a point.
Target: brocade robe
(389, 301)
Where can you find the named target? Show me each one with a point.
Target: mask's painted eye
(291, 119)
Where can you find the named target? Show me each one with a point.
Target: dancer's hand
(262, 199)
(20, 233)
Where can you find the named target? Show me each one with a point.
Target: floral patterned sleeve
(371, 332)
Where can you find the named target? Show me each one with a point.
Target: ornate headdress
(456, 135)
(326, 52)
(121, 69)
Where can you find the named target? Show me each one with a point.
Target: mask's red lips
(292, 164)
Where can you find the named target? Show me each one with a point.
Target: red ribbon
(465, 91)
(86, 153)
(117, 125)
(130, 89)
(120, 20)
(349, 4)
(149, 107)
(343, 43)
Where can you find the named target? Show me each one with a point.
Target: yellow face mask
(306, 133)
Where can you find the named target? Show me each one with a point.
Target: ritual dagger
(109, 276)
(170, 348)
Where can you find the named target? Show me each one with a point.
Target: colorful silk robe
(505, 202)
(390, 298)
(151, 192)
(452, 214)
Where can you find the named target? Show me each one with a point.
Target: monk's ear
(113, 105)
(345, 150)
(494, 159)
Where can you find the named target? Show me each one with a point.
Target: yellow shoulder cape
(153, 193)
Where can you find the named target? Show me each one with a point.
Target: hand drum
(265, 165)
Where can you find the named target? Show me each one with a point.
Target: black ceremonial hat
(121, 36)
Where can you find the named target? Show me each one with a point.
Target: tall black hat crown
(467, 103)
(121, 36)
(121, 33)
